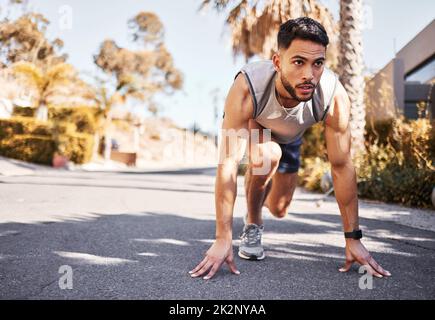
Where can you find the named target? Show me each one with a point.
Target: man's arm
(238, 110)
(338, 143)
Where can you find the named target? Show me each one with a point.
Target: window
(423, 74)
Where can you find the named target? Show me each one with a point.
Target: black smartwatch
(355, 234)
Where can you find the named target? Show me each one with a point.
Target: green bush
(401, 167)
(311, 173)
(378, 132)
(30, 140)
(63, 127)
(314, 143)
(77, 147)
(85, 118)
(403, 184)
(9, 127)
(23, 125)
(31, 148)
(314, 163)
(23, 112)
(398, 165)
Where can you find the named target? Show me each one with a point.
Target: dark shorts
(290, 158)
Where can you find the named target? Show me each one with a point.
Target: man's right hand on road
(221, 251)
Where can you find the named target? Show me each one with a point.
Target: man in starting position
(285, 95)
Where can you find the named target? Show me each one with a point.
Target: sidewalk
(11, 167)
(412, 217)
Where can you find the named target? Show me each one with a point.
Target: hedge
(85, 118)
(397, 167)
(33, 141)
(31, 148)
(24, 112)
(23, 125)
(77, 147)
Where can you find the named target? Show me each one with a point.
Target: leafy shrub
(400, 167)
(314, 143)
(30, 140)
(23, 125)
(85, 118)
(23, 112)
(378, 132)
(312, 171)
(403, 184)
(31, 148)
(76, 146)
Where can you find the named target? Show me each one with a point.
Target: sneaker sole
(251, 257)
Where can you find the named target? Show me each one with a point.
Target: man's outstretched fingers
(378, 268)
(372, 271)
(213, 270)
(203, 270)
(347, 265)
(232, 266)
(199, 266)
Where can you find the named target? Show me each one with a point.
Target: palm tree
(56, 85)
(254, 24)
(351, 67)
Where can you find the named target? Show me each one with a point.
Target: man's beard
(292, 91)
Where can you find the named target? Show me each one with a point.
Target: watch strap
(355, 234)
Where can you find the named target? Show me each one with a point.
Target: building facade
(405, 85)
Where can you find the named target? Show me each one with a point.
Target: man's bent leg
(264, 155)
(281, 193)
(257, 219)
(285, 180)
(257, 186)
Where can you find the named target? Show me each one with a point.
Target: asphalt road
(135, 236)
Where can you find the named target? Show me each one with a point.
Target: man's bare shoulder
(241, 84)
(239, 101)
(339, 111)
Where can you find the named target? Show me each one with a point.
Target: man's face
(300, 68)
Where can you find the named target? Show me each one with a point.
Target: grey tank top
(287, 125)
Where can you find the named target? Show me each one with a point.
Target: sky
(200, 43)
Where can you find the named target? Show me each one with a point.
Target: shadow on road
(147, 256)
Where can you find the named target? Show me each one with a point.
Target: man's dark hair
(301, 28)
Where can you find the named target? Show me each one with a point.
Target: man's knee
(264, 158)
(279, 210)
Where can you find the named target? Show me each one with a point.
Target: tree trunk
(351, 67)
(108, 137)
(96, 146)
(42, 113)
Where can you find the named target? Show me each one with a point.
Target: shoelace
(252, 234)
